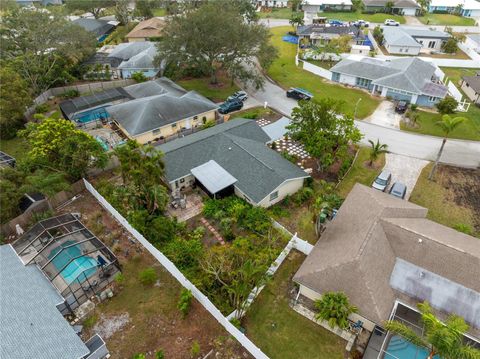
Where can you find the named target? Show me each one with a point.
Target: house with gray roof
(100, 28)
(471, 87)
(160, 109)
(231, 158)
(405, 79)
(399, 7)
(412, 41)
(317, 34)
(387, 256)
(31, 324)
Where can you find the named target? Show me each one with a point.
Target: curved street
(457, 152)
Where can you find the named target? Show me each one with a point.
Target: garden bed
(259, 113)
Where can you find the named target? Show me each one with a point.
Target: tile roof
(239, 147)
(358, 251)
(147, 28)
(31, 326)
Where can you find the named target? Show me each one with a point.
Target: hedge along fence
(81, 88)
(177, 274)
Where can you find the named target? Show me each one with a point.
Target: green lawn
(455, 73)
(285, 73)
(216, 93)
(451, 199)
(353, 16)
(280, 13)
(446, 19)
(361, 172)
(281, 332)
(159, 12)
(16, 147)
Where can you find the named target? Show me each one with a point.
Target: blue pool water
(399, 348)
(84, 264)
(93, 115)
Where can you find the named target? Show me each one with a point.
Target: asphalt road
(457, 152)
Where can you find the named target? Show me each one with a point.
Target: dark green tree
(334, 307)
(122, 13)
(93, 6)
(447, 106)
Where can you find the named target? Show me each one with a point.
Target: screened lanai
(77, 263)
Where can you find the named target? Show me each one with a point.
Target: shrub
(450, 46)
(42, 108)
(334, 307)
(464, 228)
(139, 356)
(159, 354)
(71, 93)
(413, 107)
(195, 349)
(185, 302)
(447, 105)
(90, 321)
(148, 276)
(208, 124)
(139, 77)
(289, 157)
(303, 195)
(119, 278)
(236, 322)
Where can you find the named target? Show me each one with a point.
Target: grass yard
(360, 172)
(455, 73)
(16, 147)
(256, 113)
(453, 199)
(118, 35)
(357, 15)
(216, 93)
(159, 11)
(446, 19)
(285, 73)
(278, 13)
(281, 332)
(298, 219)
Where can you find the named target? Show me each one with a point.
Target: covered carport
(214, 179)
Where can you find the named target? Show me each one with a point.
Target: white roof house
(470, 8)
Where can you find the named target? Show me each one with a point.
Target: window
(336, 77)
(195, 118)
(432, 99)
(363, 82)
(431, 44)
(182, 180)
(156, 132)
(174, 125)
(273, 195)
(204, 119)
(400, 50)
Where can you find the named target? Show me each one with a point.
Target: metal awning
(213, 176)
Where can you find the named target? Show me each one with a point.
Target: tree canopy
(324, 132)
(209, 43)
(334, 307)
(93, 6)
(42, 47)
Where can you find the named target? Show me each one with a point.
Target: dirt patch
(463, 187)
(106, 327)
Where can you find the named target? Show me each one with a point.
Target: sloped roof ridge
(235, 139)
(147, 103)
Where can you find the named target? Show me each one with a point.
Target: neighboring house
(407, 79)
(400, 7)
(47, 273)
(471, 87)
(271, 3)
(412, 41)
(468, 8)
(100, 28)
(125, 59)
(473, 41)
(312, 7)
(231, 158)
(317, 34)
(387, 256)
(160, 109)
(38, 2)
(146, 30)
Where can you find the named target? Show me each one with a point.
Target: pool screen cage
(77, 263)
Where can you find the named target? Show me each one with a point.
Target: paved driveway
(404, 169)
(385, 115)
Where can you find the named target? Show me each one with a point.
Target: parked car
(382, 181)
(230, 106)
(299, 94)
(398, 190)
(360, 23)
(390, 22)
(335, 22)
(239, 95)
(401, 107)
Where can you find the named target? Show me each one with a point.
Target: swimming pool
(399, 348)
(92, 115)
(73, 268)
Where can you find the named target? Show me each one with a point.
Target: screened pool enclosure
(77, 263)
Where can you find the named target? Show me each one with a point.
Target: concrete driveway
(405, 170)
(385, 115)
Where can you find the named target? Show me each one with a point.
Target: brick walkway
(217, 235)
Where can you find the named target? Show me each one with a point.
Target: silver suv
(382, 181)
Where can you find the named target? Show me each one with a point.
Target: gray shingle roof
(127, 50)
(155, 87)
(394, 36)
(31, 326)
(239, 147)
(143, 60)
(426, 33)
(148, 113)
(473, 82)
(97, 26)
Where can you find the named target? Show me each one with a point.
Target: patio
(185, 205)
(295, 149)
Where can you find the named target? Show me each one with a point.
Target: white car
(390, 22)
(360, 23)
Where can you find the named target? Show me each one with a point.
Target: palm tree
(447, 124)
(376, 150)
(442, 339)
(334, 307)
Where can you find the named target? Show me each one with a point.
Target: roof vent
(420, 240)
(229, 148)
(422, 274)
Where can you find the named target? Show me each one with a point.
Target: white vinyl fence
(175, 272)
(317, 70)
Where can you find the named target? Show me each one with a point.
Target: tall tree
(325, 133)
(94, 7)
(210, 43)
(376, 150)
(144, 8)
(14, 98)
(43, 48)
(296, 20)
(56, 144)
(122, 13)
(444, 340)
(447, 124)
